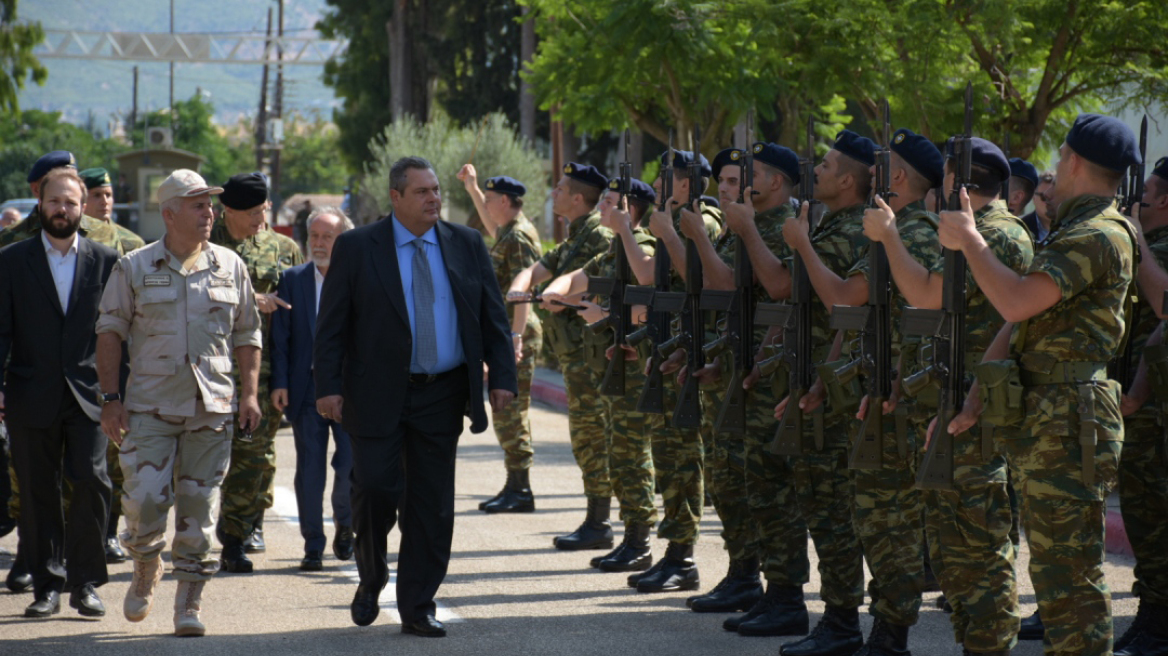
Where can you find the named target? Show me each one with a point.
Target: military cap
(728, 156)
(184, 183)
(96, 177)
(245, 191)
(1161, 168)
(50, 161)
(986, 154)
(1104, 140)
(637, 190)
(779, 157)
(919, 153)
(683, 158)
(1020, 168)
(505, 184)
(586, 174)
(861, 149)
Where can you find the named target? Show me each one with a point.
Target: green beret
(95, 178)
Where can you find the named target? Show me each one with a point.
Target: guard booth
(144, 171)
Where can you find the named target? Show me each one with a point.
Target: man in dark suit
(410, 312)
(49, 292)
(294, 394)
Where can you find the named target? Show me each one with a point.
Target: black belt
(426, 379)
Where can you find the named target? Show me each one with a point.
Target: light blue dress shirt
(450, 354)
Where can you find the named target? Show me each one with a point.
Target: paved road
(509, 590)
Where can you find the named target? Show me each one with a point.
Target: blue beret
(861, 149)
(683, 158)
(728, 156)
(779, 157)
(1161, 168)
(245, 191)
(1104, 140)
(505, 184)
(50, 161)
(919, 153)
(589, 175)
(710, 201)
(637, 190)
(1020, 168)
(986, 154)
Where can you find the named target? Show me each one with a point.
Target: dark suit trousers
(72, 447)
(311, 433)
(410, 471)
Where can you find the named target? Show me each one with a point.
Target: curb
(549, 393)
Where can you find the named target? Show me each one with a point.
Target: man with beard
(49, 398)
(293, 393)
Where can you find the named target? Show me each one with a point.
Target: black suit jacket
(49, 348)
(1031, 222)
(363, 341)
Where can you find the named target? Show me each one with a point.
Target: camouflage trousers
(630, 455)
(1064, 520)
(677, 462)
(970, 547)
(711, 401)
(1143, 495)
(178, 463)
(889, 519)
(512, 426)
(770, 496)
(251, 477)
(725, 466)
(586, 423)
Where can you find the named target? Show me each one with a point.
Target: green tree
(312, 161)
(194, 131)
(26, 136)
(17, 62)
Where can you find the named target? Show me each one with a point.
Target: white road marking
(284, 505)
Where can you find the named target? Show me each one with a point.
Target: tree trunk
(526, 97)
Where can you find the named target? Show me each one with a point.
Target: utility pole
(172, 70)
(526, 97)
(261, 129)
(134, 107)
(279, 104)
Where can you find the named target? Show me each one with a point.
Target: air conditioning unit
(159, 138)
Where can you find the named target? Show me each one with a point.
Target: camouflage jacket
(586, 239)
(839, 241)
(712, 217)
(103, 232)
(1010, 241)
(1090, 256)
(516, 248)
(770, 228)
(1143, 325)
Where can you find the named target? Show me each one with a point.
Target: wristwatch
(110, 398)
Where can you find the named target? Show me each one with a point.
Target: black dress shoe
(19, 578)
(365, 607)
(113, 551)
(46, 604)
(1032, 628)
(84, 598)
(425, 626)
(343, 543)
(313, 561)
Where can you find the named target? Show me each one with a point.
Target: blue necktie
(426, 335)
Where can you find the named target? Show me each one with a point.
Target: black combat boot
(837, 634)
(516, 496)
(738, 592)
(677, 571)
(1148, 634)
(633, 555)
(782, 613)
(233, 557)
(594, 533)
(886, 640)
(483, 504)
(19, 577)
(1032, 628)
(255, 542)
(594, 562)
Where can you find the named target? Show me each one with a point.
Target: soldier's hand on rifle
(969, 412)
(468, 176)
(592, 313)
(879, 221)
(674, 362)
(1138, 394)
(795, 229)
(630, 352)
(740, 216)
(547, 304)
(639, 314)
(615, 218)
(692, 225)
(957, 229)
(751, 378)
(1134, 215)
(661, 224)
(711, 373)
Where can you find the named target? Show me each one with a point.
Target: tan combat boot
(187, 604)
(140, 596)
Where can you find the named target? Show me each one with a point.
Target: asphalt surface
(508, 591)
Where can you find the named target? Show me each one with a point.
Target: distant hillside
(79, 88)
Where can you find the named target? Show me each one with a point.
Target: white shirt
(319, 285)
(63, 268)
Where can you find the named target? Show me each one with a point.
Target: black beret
(245, 191)
(861, 149)
(94, 178)
(1104, 140)
(683, 158)
(779, 157)
(505, 184)
(1020, 168)
(1161, 168)
(637, 190)
(50, 161)
(723, 158)
(986, 154)
(589, 175)
(919, 153)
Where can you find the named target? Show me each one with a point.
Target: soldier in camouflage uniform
(968, 526)
(246, 491)
(1070, 305)
(580, 352)
(516, 248)
(1143, 469)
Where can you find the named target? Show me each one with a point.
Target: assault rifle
(537, 298)
(657, 328)
(946, 327)
(874, 323)
(614, 288)
(1133, 188)
(738, 305)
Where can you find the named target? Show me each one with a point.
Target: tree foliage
(194, 131)
(312, 162)
(17, 62)
(27, 135)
